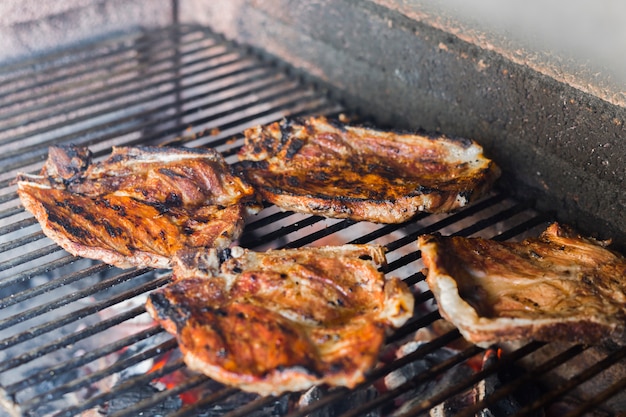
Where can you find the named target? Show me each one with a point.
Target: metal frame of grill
(60, 316)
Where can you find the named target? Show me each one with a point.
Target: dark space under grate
(74, 336)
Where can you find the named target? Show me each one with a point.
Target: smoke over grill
(74, 335)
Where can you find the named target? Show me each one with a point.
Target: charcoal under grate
(74, 336)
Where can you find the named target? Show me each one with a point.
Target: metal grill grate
(74, 336)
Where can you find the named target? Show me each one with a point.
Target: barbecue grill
(74, 335)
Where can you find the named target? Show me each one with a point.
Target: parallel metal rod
(574, 381)
(438, 398)
(296, 106)
(68, 340)
(22, 296)
(75, 315)
(599, 399)
(139, 121)
(117, 108)
(115, 89)
(21, 241)
(39, 270)
(57, 392)
(30, 256)
(124, 387)
(531, 375)
(74, 79)
(192, 409)
(50, 63)
(12, 211)
(79, 361)
(157, 398)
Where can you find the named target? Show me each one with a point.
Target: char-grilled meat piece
(335, 170)
(559, 286)
(139, 206)
(282, 320)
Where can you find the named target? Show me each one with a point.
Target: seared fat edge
(560, 286)
(304, 324)
(320, 167)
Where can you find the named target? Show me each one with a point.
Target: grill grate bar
(376, 374)
(574, 381)
(148, 69)
(460, 387)
(191, 410)
(283, 231)
(61, 87)
(40, 270)
(429, 374)
(64, 342)
(17, 226)
(71, 317)
(599, 399)
(312, 237)
(39, 253)
(79, 361)
(122, 364)
(160, 397)
(20, 241)
(136, 87)
(46, 65)
(136, 121)
(526, 378)
(49, 286)
(12, 211)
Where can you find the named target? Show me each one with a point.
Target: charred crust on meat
(424, 190)
(170, 173)
(294, 147)
(173, 200)
(165, 310)
(224, 255)
(293, 181)
(112, 230)
(67, 225)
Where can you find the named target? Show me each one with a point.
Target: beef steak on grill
(335, 170)
(282, 320)
(559, 286)
(139, 206)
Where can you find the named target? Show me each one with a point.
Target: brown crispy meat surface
(335, 170)
(559, 286)
(283, 320)
(138, 207)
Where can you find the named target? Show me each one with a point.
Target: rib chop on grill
(335, 170)
(139, 206)
(282, 320)
(559, 286)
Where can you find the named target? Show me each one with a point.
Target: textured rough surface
(282, 320)
(325, 167)
(557, 287)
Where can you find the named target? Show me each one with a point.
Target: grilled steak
(334, 170)
(138, 207)
(282, 320)
(559, 286)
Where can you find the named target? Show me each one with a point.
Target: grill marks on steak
(138, 207)
(325, 168)
(559, 286)
(283, 320)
